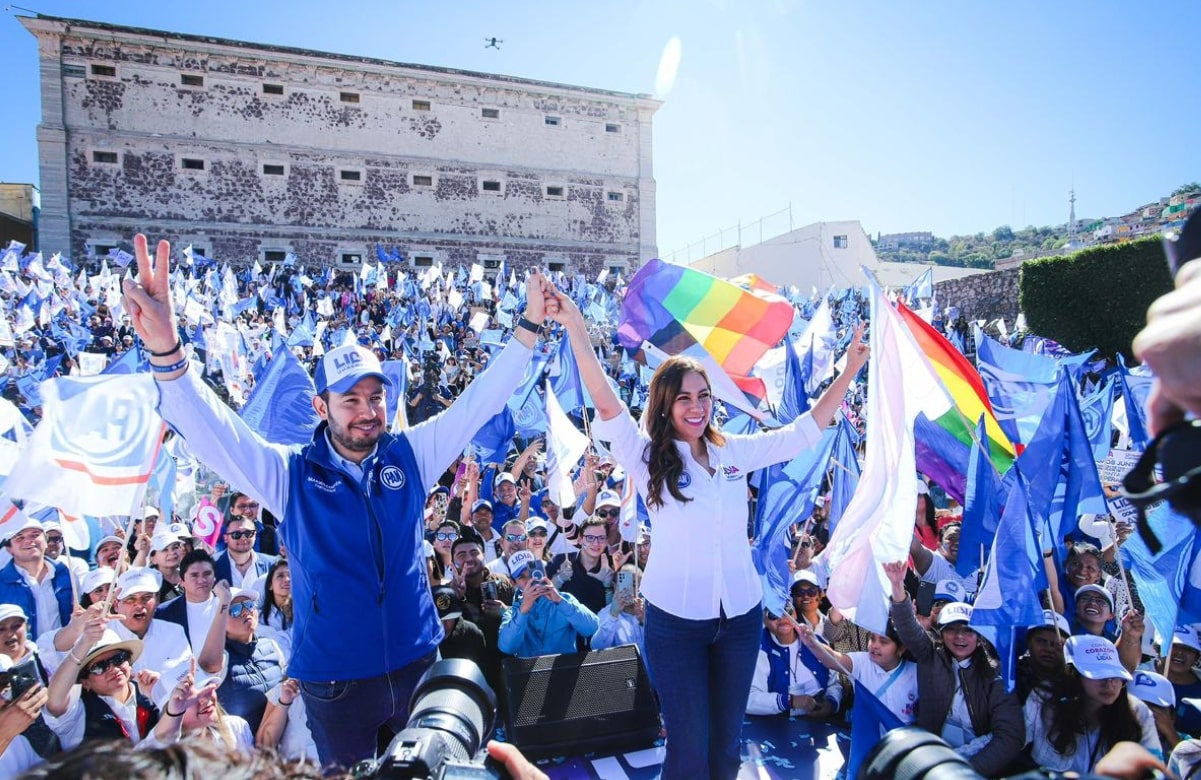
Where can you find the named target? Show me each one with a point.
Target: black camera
(917, 754)
(1170, 468)
(452, 713)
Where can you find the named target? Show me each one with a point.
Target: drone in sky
(492, 43)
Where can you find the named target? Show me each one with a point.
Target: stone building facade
(251, 151)
(986, 296)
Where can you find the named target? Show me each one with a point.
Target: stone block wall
(983, 296)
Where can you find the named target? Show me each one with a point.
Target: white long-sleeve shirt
(765, 702)
(708, 566)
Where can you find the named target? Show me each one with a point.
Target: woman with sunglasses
(94, 693)
(704, 596)
(255, 663)
(444, 537)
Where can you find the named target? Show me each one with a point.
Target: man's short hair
(473, 539)
(238, 519)
(194, 557)
(594, 522)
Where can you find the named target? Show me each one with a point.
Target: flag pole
(1117, 556)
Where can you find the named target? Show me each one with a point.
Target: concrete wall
(385, 123)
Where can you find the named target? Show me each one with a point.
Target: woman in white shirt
(703, 594)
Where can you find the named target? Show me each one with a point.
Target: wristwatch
(529, 325)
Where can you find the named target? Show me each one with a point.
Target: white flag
(95, 448)
(565, 445)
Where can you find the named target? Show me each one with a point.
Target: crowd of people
(345, 567)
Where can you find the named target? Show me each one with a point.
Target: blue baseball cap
(342, 368)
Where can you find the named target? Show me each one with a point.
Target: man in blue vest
(349, 505)
(38, 585)
(789, 680)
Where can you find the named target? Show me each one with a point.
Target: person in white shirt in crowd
(206, 720)
(41, 587)
(789, 679)
(704, 599)
(285, 725)
(194, 610)
(564, 534)
(239, 563)
(940, 564)
(94, 586)
(513, 538)
(17, 715)
(275, 619)
(537, 531)
(18, 648)
(1071, 727)
(622, 621)
(95, 693)
(167, 548)
(884, 669)
(56, 550)
(480, 521)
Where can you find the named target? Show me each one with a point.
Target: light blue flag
(1008, 596)
(1096, 408)
(870, 721)
(130, 362)
(981, 505)
(1136, 386)
(786, 498)
(795, 400)
(844, 472)
(529, 382)
(1165, 578)
(493, 440)
(397, 372)
(304, 333)
(280, 409)
(1019, 385)
(162, 482)
(530, 419)
(565, 378)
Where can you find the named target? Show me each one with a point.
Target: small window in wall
(274, 255)
(273, 89)
(615, 197)
(191, 164)
(104, 70)
(273, 170)
(349, 97)
(351, 258)
(490, 113)
(611, 127)
(102, 250)
(421, 105)
(350, 175)
(423, 262)
(491, 186)
(552, 267)
(554, 192)
(75, 71)
(104, 157)
(423, 181)
(552, 121)
(191, 80)
(840, 242)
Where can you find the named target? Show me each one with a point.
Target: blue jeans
(702, 671)
(345, 715)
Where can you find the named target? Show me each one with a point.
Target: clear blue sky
(946, 116)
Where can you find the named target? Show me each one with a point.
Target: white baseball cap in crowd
(139, 580)
(955, 612)
(1052, 619)
(520, 562)
(1187, 636)
(1153, 688)
(97, 578)
(342, 368)
(1094, 657)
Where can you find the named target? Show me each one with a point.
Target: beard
(351, 439)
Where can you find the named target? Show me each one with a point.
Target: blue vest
(360, 588)
(779, 675)
(100, 722)
(14, 590)
(253, 670)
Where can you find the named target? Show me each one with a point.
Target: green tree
(1187, 189)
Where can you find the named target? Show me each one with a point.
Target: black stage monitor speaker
(580, 703)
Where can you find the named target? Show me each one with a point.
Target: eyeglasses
(53, 539)
(246, 507)
(607, 513)
(1089, 598)
(807, 591)
(446, 536)
(119, 658)
(773, 616)
(539, 534)
(237, 610)
(242, 534)
(511, 538)
(595, 539)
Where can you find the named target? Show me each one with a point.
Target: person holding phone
(542, 621)
(623, 621)
(704, 613)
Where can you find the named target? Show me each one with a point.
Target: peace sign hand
(148, 298)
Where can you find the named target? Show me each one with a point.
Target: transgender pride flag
(680, 311)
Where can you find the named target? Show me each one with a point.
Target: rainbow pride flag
(944, 431)
(685, 312)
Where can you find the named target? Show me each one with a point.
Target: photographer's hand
(1171, 346)
(517, 765)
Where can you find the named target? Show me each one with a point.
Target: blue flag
(494, 438)
(1008, 597)
(303, 334)
(130, 362)
(981, 505)
(566, 384)
(1019, 385)
(795, 401)
(281, 407)
(397, 372)
(844, 472)
(1097, 410)
(786, 497)
(1164, 578)
(870, 721)
(1136, 385)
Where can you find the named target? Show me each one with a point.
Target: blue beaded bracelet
(183, 362)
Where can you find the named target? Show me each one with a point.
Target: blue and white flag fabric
(1019, 385)
(1136, 386)
(565, 445)
(1166, 580)
(870, 721)
(1096, 408)
(280, 408)
(95, 448)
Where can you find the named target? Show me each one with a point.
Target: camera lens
(917, 755)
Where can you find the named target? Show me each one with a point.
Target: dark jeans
(702, 671)
(346, 715)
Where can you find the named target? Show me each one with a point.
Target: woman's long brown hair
(661, 456)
